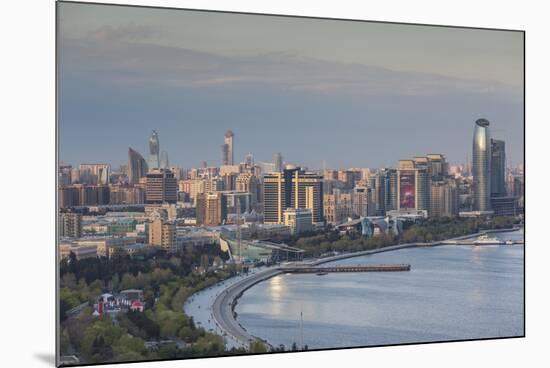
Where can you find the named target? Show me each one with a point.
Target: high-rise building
(278, 161)
(481, 166)
(413, 189)
(293, 188)
(444, 198)
(162, 234)
(192, 187)
(95, 173)
(211, 208)
(329, 208)
(227, 148)
(154, 146)
(213, 184)
(247, 182)
(362, 201)
(70, 225)
(498, 168)
(228, 182)
(438, 166)
(137, 166)
(161, 186)
(383, 188)
(237, 202)
(164, 163)
(344, 205)
(391, 189)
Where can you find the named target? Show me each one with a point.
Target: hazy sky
(352, 94)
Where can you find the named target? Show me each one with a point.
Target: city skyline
(215, 170)
(340, 105)
(275, 159)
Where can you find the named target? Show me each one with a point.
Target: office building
(298, 220)
(481, 166)
(160, 187)
(505, 206)
(137, 166)
(498, 168)
(292, 188)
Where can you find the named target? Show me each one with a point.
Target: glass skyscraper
(481, 165)
(154, 145)
(498, 168)
(137, 167)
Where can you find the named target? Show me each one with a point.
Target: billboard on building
(407, 190)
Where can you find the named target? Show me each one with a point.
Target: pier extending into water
(356, 268)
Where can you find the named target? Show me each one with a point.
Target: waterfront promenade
(221, 299)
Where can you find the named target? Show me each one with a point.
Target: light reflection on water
(451, 292)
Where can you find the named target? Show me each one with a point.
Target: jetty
(347, 268)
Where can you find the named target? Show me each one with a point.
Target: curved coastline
(223, 307)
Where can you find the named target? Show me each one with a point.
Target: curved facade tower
(481, 166)
(154, 145)
(137, 166)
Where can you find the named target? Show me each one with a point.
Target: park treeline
(433, 229)
(166, 281)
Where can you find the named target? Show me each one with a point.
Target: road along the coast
(221, 302)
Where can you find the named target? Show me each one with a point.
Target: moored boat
(487, 240)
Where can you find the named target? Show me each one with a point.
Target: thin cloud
(124, 62)
(127, 32)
